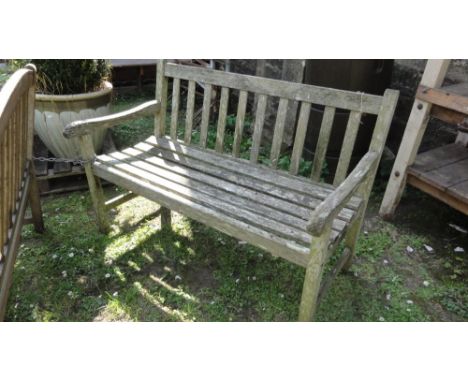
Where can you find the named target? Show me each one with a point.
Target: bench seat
(252, 202)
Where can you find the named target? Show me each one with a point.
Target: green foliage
(68, 76)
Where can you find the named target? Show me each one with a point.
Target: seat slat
(258, 128)
(205, 115)
(278, 132)
(301, 187)
(189, 112)
(223, 106)
(301, 132)
(352, 129)
(242, 197)
(175, 107)
(322, 142)
(279, 246)
(284, 201)
(241, 107)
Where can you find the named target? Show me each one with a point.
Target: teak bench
(298, 219)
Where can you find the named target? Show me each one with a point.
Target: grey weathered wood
(223, 107)
(301, 132)
(328, 209)
(175, 107)
(205, 115)
(322, 142)
(161, 97)
(258, 128)
(240, 118)
(349, 139)
(366, 103)
(278, 132)
(84, 127)
(119, 199)
(189, 112)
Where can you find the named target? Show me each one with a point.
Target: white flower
(70, 294)
(64, 273)
(71, 254)
(237, 281)
(409, 302)
(107, 275)
(177, 278)
(381, 319)
(115, 294)
(54, 256)
(426, 283)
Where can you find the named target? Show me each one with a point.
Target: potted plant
(70, 90)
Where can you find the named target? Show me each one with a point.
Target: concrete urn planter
(54, 112)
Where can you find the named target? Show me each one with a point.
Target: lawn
(140, 272)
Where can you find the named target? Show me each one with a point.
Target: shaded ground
(140, 272)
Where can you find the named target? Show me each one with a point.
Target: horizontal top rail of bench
(17, 85)
(365, 103)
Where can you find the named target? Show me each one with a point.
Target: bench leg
(97, 196)
(166, 220)
(351, 239)
(313, 276)
(35, 204)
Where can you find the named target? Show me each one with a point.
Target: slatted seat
(228, 194)
(296, 218)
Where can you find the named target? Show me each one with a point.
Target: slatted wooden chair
(298, 219)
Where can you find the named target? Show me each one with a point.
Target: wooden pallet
(441, 172)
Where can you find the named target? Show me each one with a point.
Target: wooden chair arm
(84, 127)
(328, 209)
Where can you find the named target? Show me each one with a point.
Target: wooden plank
(349, 139)
(287, 249)
(439, 157)
(119, 199)
(223, 108)
(189, 113)
(442, 195)
(242, 197)
(446, 176)
(283, 89)
(205, 115)
(239, 129)
(175, 107)
(443, 97)
(278, 132)
(301, 132)
(322, 142)
(161, 97)
(416, 126)
(258, 128)
(257, 172)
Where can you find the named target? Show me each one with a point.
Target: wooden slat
(205, 115)
(189, 113)
(260, 178)
(349, 139)
(278, 132)
(299, 140)
(258, 128)
(322, 142)
(241, 107)
(223, 108)
(439, 157)
(209, 181)
(175, 107)
(161, 96)
(366, 103)
(445, 97)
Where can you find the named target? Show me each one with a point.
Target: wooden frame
(17, 184)
(150, 169)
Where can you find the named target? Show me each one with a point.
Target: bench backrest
(263, 88)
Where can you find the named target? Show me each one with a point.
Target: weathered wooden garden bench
(298, 219)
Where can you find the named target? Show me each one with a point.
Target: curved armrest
(328, 209)
(79, 128)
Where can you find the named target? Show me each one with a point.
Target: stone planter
(54, 112)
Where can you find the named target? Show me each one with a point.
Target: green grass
(139, 272)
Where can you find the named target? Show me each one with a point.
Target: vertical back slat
(175, 107)
(205, 115)
(240, 117)
(352, 129)
(278, 132)
(161, 96)
(223, 108)
(322, 142)
(189, 112)
(300, 138)
(258, 127)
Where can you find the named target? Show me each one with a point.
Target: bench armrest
(84, 127)
(329, 208)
